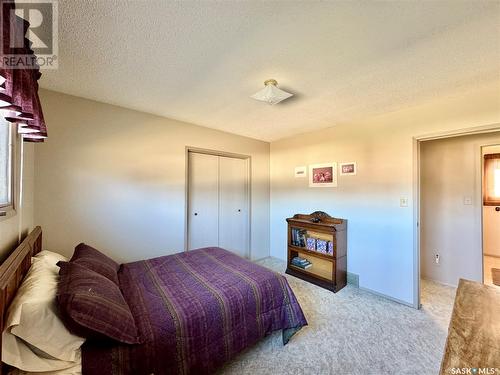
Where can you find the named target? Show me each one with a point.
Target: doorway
(491, 214)
(218, 201)
(449, 207)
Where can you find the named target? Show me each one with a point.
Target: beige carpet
(354, 332)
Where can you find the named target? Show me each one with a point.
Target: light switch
(403, 202)
(467, 201)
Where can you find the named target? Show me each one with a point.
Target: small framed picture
(300, 172)
(348, 169)
(323, 175)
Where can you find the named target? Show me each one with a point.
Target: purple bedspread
(195, 311)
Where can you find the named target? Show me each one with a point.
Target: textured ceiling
(200, 61)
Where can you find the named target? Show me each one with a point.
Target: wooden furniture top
(495, 275)
(325, 220)
(12, 272)
(474, 332)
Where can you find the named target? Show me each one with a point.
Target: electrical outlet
(437, 259)
(468, 201)
(403, 202)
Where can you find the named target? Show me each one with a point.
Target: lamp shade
(271, 93)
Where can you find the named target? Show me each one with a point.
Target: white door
(233, 205)
(203, 201)
(218, 212)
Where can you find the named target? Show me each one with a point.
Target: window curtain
(491, 180)
(19, 101)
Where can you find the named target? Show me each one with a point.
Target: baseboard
(353, 279)
(439, 282)
(387, 297)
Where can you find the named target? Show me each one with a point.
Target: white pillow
(35, 338)
(75, 370)
(20, 355)
(50, 258)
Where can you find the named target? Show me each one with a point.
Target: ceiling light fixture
(271, 94)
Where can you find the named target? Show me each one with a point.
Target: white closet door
(233, 205)
(203, 201)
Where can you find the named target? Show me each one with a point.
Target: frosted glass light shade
(271, 94)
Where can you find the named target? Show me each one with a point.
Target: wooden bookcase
(328, 270)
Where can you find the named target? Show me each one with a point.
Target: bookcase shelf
(313, 253)
(329, 267)
(311, 273)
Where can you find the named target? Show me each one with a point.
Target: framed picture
(348, 169)
(323, 175)
(300, 172)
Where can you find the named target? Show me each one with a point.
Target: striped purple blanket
(195, 311)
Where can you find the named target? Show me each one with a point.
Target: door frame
(205, 151)
(481, 148)
(417, 141)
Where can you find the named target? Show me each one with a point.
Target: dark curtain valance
(19, 101)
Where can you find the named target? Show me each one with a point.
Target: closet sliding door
(203, 200)
(233, 210)
(218, 202)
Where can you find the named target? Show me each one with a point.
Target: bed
(12, 272)
(193, 311)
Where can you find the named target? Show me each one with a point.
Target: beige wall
(22, 221)
(116, 178)
(491, 219)
(451, 173)
(380, 232)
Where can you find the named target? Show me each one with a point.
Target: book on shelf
(301, 263)
(302, 237)
(299, 237)
(299, 260)
(321, 246)
(330, 247)
(303, 266)
(311, 243)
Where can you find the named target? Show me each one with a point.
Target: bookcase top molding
(318, 217)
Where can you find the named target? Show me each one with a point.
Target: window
(492, 180)
(497, 181)
(6, 167)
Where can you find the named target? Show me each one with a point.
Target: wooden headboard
(12, 272)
